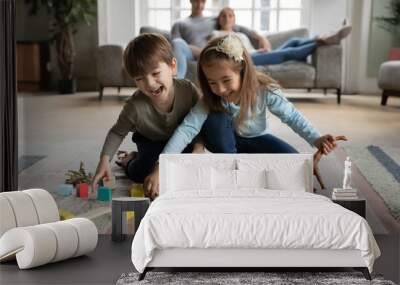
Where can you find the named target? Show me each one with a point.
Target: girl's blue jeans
(293, 49)
(220, 136)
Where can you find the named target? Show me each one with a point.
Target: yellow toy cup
(136, 190)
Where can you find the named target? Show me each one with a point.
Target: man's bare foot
(124, 158)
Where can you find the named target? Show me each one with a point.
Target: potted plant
(80, 180)
(392, 25)
(66, 15)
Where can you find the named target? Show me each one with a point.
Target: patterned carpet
(242, 278)
(381, 167)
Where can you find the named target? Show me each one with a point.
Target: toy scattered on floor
(136, 190)
(104, 193)
(110, 183)
(65, 215)
(82, 190)
(75, 177)
(128, 223)
(65, 189)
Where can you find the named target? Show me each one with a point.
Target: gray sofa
(323, 71)
(110, 69)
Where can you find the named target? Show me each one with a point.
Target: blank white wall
(327, 15)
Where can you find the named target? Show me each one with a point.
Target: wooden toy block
(104, 194)
(65, 189)
(82, 190)
(136, 190)
(128, 223)
(110, 183)
(65, 215)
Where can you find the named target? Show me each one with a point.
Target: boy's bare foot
(124, 157)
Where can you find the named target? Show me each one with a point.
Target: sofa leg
(338, 93)
(364, 271)
(325, 91)
(101, 92)
(309, 90)
(384, 98)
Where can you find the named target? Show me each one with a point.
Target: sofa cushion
(291, 74)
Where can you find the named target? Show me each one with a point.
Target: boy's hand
(151, 184)
(326, 143)
(198, 148)
(103, 171)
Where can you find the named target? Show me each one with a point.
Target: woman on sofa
(293, 49)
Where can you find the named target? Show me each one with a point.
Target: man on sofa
(191, 34)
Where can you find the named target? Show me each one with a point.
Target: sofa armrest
(327, 61)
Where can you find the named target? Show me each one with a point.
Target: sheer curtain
(8, 99)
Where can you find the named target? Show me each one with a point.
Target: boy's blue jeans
(183, 53)
(220, 136)
(293, 49)
(148, 153)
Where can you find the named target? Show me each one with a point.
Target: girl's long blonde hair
(252, 81)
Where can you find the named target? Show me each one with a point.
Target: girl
(293, 49)
(236, 102)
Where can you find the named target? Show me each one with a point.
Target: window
(260, 15)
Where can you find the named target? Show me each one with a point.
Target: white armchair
(31, 232)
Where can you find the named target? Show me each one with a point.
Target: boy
(152, 113)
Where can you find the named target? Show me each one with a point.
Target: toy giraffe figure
(317, 158)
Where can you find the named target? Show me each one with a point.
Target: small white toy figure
(347, 174)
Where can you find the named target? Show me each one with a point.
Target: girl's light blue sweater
(256, 123)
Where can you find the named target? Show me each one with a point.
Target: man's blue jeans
(293, 49)
(146, 158)
(220, 136)
(183, 53)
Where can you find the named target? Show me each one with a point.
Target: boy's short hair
(145, 52)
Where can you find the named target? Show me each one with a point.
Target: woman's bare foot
(336, 37)
(124, 158)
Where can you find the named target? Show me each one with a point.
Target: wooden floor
(102, 266)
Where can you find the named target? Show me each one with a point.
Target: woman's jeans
(146, 158)
(293, 49)
(183, 53)
(219, 135)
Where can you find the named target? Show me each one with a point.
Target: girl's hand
(103, 171)
(151, 184)
(326, 143)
